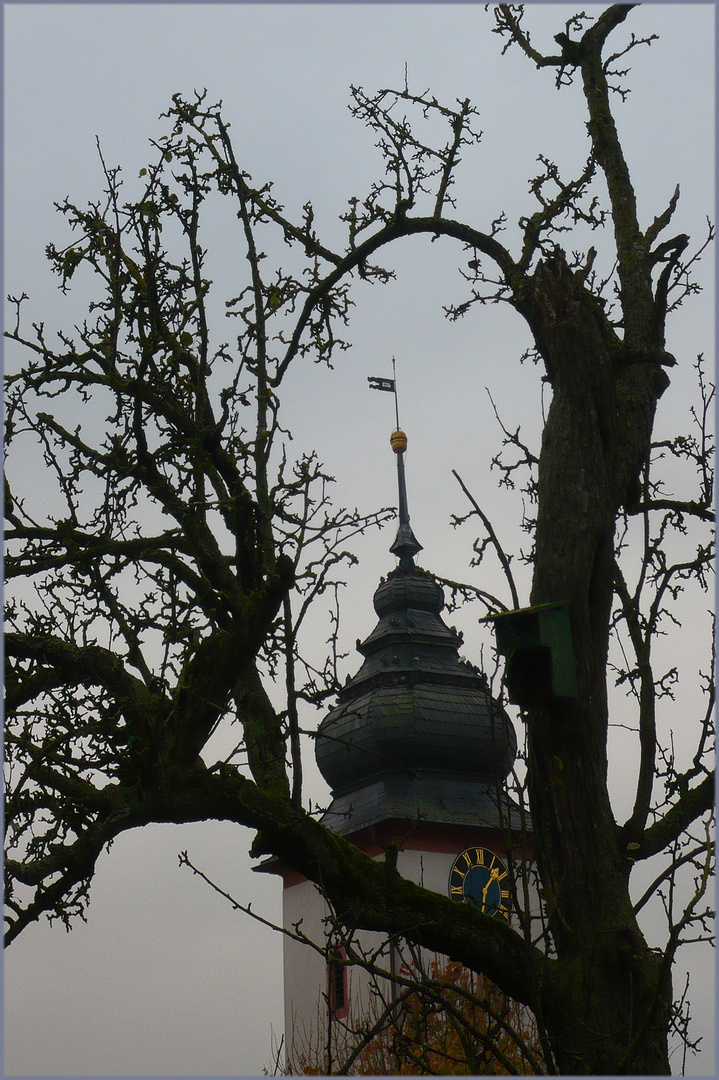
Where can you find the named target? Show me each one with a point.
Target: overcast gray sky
(163, 978)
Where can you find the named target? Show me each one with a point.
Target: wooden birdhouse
(537, 644)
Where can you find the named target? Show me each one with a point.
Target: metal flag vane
(406, 544)
(390, 385)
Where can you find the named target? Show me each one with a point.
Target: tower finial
(406, 545)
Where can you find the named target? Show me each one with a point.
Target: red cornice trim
(414, 836)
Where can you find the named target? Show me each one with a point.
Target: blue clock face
(479, 877)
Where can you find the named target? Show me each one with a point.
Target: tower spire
(406, 545)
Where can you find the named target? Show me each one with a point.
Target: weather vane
(390, 385)
(406, 544)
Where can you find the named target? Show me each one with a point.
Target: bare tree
(168, 582)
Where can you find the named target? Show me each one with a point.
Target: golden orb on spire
(398, 441)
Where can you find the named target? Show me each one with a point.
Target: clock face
(479, 877)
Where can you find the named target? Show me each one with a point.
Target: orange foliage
(455, 1035)
(455, 1023)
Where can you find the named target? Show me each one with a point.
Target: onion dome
(415, 734)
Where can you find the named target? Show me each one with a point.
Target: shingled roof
(416, 733)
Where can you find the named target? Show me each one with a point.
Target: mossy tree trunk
(609, 1013)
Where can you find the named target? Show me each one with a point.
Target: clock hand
(493, 875)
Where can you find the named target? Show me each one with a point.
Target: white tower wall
(305, 968)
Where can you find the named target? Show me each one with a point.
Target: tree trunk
(609, 1012)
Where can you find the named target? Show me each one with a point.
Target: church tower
(416, 753)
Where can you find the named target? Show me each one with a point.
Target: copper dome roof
(416, 733)
(414, 710)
